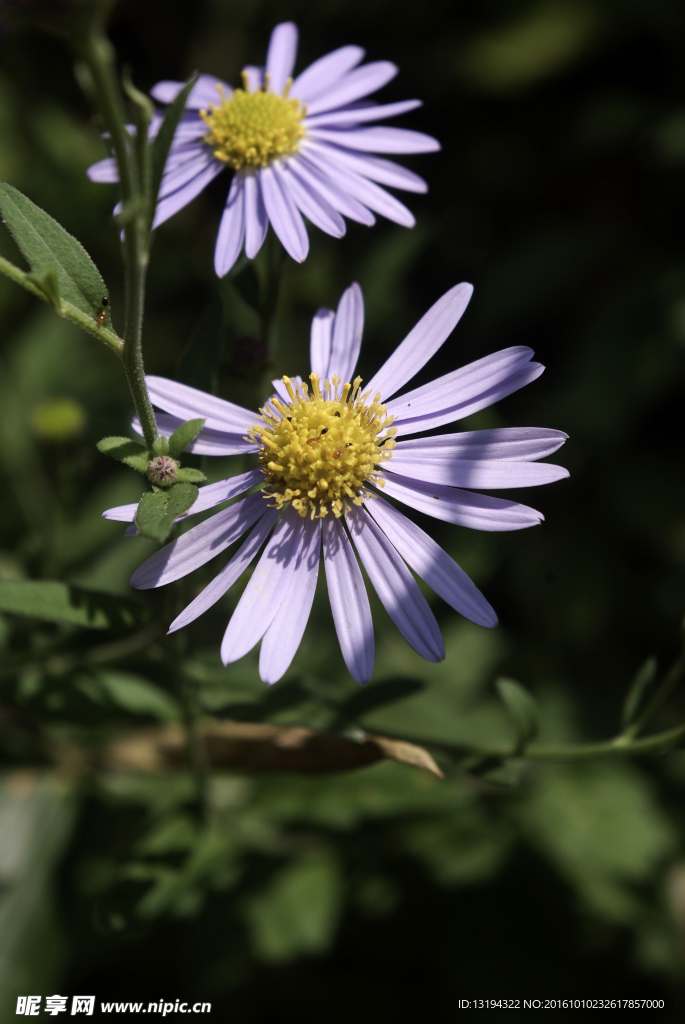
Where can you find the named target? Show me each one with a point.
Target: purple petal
(378, 169)
(515, 444)
(324, 72)
(256, 220)
(357, 115)
(280, 58)
(314, 207)
(352, 86)
(177, 200)
(196, 159)
(209, 496)
(261, 598)
(451, 408)
(200, 544)
(477, 473)
(432, 564)
(122, 513)
(189, 403)
(207, 442)
(365, 191)
(285, 217)
(245, 554)
(104, 172)
(347, 334)
(464, 508)
(203, 93)
(349, 601)
(320, 341)
(422, 342)
(396, 587)
(379, 139)
(284, 635)
(361, 188)
(229, 240)
(320, 183)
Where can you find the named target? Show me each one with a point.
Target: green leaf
(200, 359)
(61, 602)
(523, 709)
(46, 280)
(363, 701)
(640, 693)
(165, 135)
(161, 445)
(189, 475)
(137, 695)
(183, 435)
(126, 451)
(246, 284)
(157, 510)
(45, 243)
(298, 910)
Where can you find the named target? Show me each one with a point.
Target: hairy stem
(98, 56)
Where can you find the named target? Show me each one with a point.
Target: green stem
(98, 55)
(659, 697)
(197, 751)
(66, 310)
(619, 746)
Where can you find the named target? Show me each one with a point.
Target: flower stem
(98, 56)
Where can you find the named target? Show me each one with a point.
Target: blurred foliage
(384, 892)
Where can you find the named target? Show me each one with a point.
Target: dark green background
(380, 894)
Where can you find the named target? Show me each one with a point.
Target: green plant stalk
(671, 680)
(197, 752)
(66, 310)
(97, 54)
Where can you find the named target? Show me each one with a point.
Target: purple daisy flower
(328, 451)
(296, 147)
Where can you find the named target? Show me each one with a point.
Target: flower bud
(162, 471)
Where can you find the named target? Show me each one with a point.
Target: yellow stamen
(324, 447)
(252, 129)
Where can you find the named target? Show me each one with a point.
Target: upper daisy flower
(327, 451)
(295, 147)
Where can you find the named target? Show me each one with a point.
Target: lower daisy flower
(328, 451)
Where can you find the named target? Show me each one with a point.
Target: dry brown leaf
(258, 746)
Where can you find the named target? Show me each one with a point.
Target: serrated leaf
(126, 451)
(363, 701)
(56, 601)
(246, 283)
(157, 510)
(522, 708)
(44, 243)
(165, 135)
(640, 693)
(183, 435)
(191, 476)
(46, 280)
(200, 359)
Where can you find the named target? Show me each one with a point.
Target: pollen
(319, 450)
(252, 129)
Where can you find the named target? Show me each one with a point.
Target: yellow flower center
(252, 129)
(324, 446)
